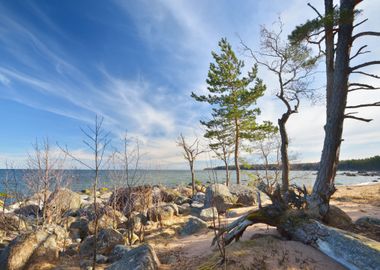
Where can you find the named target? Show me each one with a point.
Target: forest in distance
(363, 164)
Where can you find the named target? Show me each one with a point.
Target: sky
(135, 63)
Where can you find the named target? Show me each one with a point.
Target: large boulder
(162, 212)
(208, 214)
(245, 195)
(60, 202)
(11, 222)
(30, 210)
(219, 195)
(199, 197)
(118, 252)
(140, 258)
(107, 239)
(28, 249)
(368, 221)
(79, 229)
(337, 218)
(194, 225)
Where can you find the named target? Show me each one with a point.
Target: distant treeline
(365, 164)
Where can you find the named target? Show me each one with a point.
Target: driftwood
(351, 250)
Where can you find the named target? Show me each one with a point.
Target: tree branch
(366, 74)
(366, 64)
(375, 104)
(367, 33)
(358, 118)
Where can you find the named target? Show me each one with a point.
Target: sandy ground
(195, 251)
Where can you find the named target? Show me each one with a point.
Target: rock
(185, 191)
(132, 199)
(245, 195)
(208, 214)
(168, 195)
(107, 239)
(28, 210)
(181, 200)
(79, 229)
(11, 222)
(140, 258)
(199, 197)
(101, 259)
(184, 209)
(194, 225)
(118, 252)
(107, 217)
(218, 195)
(31, 248)
(368, 221)
(60, 202)
(337, 218)
(162, 212)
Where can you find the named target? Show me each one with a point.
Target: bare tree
(97, 141)
(190, 153)
(292, 65)
(45, 173)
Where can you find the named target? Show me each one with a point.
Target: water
(82, 179)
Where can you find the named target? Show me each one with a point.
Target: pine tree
(232, 97)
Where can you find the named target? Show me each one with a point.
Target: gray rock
(118, 252)
(194, 225)
(101, 259)
(28, 210)
(184, 209)
(162, 212)
(245, 195)
(61, 201)
(368, 221)
(106, 241)
(182, 200)
(140, 258)
(208, 214)
(199, 197)
(79, 229)
(219, 195)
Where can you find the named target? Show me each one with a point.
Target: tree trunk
(351, 250)
(329, 44)
(237, 142)
(284, 151)
(192, 177)
(324, 184)
(227, 173)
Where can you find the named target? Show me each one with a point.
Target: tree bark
(192, 177)
(284, 151)
(329, 44)
(237, 142)
(324, 184)
(227, 173)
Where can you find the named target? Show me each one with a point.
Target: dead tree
(45, 173)
(292, 65)
(190, 153)
(299, 216)
(97, 141)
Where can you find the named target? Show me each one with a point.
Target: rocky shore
(160, 228)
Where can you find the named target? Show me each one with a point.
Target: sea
(79, 180)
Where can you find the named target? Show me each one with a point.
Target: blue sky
(136, 63)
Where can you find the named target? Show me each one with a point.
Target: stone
(194, 225)
(60, 202)
(208, 214)
(184, 209)
(199, 197)
(246, 195)
(118, 252)
(219, 195)
(101, 259)
(79, 229)
(368, 221)
(28, 210)
(337, 218)
(11, 222)
(33, 247)
(162, 212)
(140, 258)
(107, 239)
(182, 200)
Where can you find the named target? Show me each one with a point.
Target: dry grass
(366, 194)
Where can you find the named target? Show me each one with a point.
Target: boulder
(184, 209)
(208, 214)
(368, 221)
(245, 195)
(60, 202)
(107, 239)
(28, 210)
(219, 195)
(11, 222)
(194, 225)
(185, 191)
(79, 229)
(199, 197)
(162, 212)
(140, 258)
(27, 249)
(118, 252)
(181, 200)
(337, 218)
